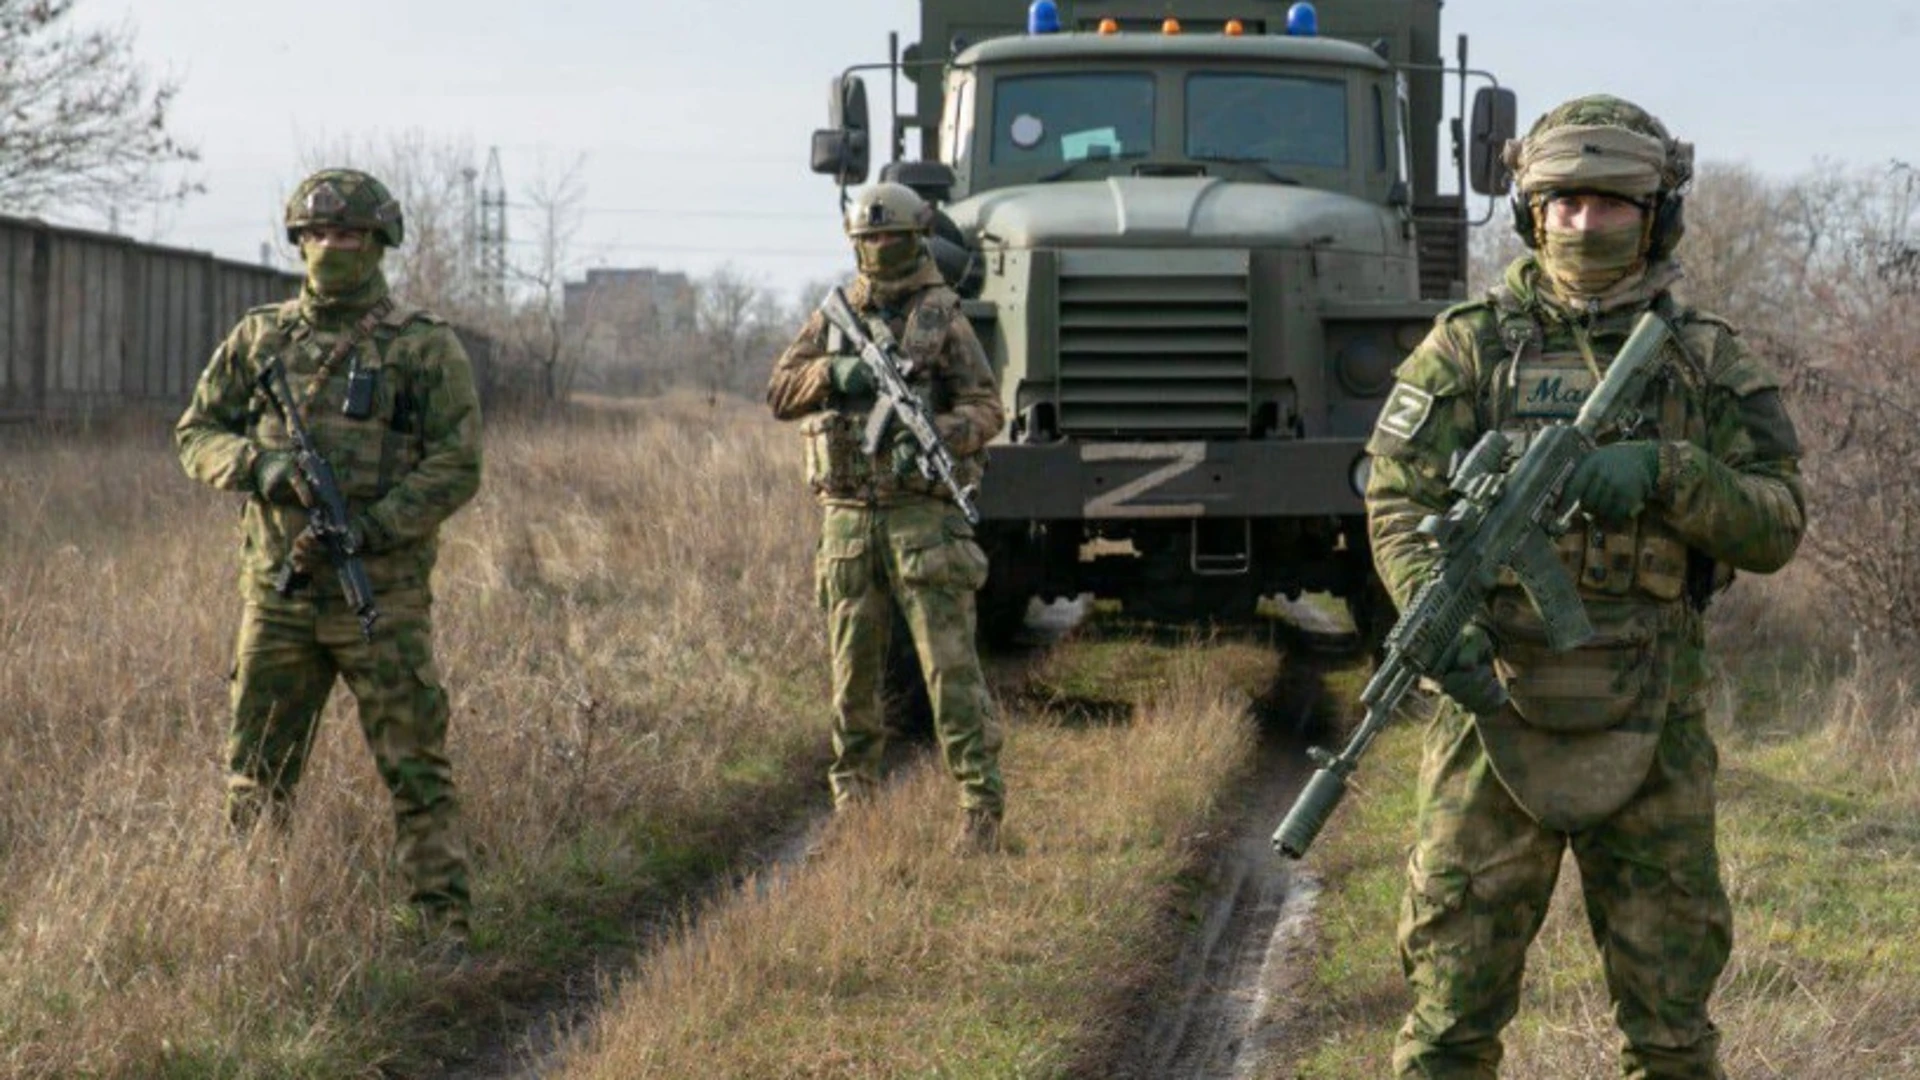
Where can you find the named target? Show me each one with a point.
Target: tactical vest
(371, 450)
(1641, 582)
(838, 470)
(1528, 382)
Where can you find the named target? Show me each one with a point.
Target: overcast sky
(693, 116)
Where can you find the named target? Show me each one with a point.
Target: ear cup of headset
(1522, 209)
(1669, 225)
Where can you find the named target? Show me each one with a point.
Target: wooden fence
(92, 323)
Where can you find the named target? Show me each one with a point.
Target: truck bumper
(1173, 480)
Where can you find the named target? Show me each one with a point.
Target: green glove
(277, 480)
(850, 377)
(906, 456)
(1466, 673)
(1614, 482)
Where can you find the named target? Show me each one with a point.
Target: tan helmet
(887, 207)
(349, 199)
(1604, 144)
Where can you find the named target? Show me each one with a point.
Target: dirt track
(1227, 1016)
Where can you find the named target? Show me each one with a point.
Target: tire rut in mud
(1226, 1016)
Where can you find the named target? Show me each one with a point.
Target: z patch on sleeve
(1406, 411)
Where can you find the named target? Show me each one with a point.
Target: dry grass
(626, 630)
(885, 956)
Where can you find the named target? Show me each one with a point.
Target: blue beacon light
(1303, 21)
(1043, 17)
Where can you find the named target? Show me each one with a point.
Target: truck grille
(1154, 342)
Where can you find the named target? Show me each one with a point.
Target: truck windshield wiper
(1063, 171)
(1265, 166)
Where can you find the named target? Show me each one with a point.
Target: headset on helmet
(1669, 221)
(1666, 203)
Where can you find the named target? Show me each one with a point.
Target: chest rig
(1536, 373)
(838, 468)
(364, 412)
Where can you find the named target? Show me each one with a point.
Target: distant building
(629, 318)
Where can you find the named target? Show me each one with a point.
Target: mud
(1230, 1016)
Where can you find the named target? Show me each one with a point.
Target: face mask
(1586, 263)
(337, 271)
(885, 256)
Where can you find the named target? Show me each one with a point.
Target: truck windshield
(1279, 119)
(1049, 119)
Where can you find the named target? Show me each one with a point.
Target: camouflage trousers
(1481, 877)
(921, 556)
(285, 664)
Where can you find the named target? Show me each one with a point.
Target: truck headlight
(1365, 367)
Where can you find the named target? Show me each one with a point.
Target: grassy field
(884, 956)
(627, 631)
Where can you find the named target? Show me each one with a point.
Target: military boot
(979, 833)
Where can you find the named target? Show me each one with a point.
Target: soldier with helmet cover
(890, 536)
(387, 394)
(1602, 750)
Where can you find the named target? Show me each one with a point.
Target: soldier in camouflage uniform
(891, 536)
(1604, 749)
(406, 456)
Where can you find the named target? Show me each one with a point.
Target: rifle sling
(362, 330)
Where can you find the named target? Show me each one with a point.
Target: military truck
(1195, 239)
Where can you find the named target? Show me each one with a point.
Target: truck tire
(1013, 570)
(1373, 613)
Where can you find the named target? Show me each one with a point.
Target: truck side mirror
(843, 155)
(844, 149)
(1495, 116)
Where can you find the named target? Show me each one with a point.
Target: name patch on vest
(1551, 388)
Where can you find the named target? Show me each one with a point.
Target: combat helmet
(347, 198)
(1604, 144)
(887, 207)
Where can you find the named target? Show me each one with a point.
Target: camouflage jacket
(404, 469)
(1728, 494)
(951, 375)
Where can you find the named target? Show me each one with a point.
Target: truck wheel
(1013, 569)
(1373, 614)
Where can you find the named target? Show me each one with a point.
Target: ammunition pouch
(1595, 687)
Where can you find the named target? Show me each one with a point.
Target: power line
(691, 249)
(674, 211)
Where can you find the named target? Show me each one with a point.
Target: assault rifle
(326, 508)
(1507, 514)
(898, 404)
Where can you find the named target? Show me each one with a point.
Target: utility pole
(469, 236)
(492, 234)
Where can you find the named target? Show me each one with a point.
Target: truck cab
(1195, 247)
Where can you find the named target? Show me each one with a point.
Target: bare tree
(739, 322)
(555, 344)
(1848, 348)
(80, 125)
(1490, 248)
